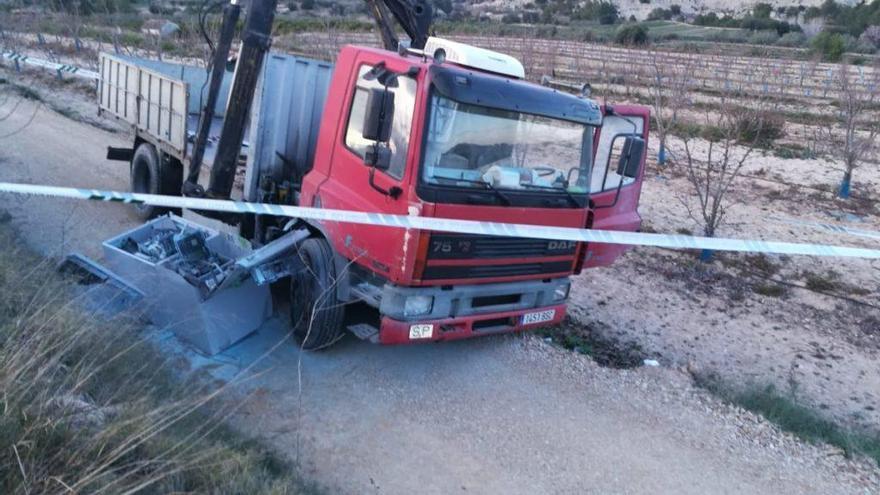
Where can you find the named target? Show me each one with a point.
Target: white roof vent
(478, 58)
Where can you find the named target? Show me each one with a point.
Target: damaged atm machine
(198, 282)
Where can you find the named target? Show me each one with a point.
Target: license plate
(538, 317)
(421, 332)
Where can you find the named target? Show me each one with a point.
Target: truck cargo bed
(162, 102)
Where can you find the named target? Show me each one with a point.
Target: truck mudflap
(408, 332)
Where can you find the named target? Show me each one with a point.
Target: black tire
(313, 301)
(151, 175)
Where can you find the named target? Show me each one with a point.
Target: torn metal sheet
(275, 260)
(106, 292)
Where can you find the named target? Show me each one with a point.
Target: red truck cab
(467, 143)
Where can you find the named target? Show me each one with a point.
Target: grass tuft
(769, 289)
(791, 416)
(587, 339)
(821, 282)
(27, 92)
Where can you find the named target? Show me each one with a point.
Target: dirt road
(497, 415)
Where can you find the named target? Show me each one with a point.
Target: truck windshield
(487, 148)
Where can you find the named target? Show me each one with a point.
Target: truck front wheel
(152, 175)
(316, 314)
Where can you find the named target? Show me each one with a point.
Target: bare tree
(15, 98)
(332, 37)
(550, 59)
(527, 50)
(16, 25)
(852, 140)
(716, 147)
(810, 138)
(669, 92)
(604, 78)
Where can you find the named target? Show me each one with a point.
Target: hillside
(640, 9)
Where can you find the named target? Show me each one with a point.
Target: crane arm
(414, 16)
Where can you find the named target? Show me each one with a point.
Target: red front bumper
(398, 332)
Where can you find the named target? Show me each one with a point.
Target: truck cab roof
(491, 88)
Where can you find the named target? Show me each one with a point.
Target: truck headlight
(418, 305)
(561, 292)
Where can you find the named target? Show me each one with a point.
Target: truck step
(365, 331)
(368, 293)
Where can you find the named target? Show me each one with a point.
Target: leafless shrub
(715, 149)
(771, 128)
(852, 140)
(332, 39)
(669, 91)
(527, 52)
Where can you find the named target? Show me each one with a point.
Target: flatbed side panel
(194, 77)
(288, 107)
(154, 103)
(117, 89)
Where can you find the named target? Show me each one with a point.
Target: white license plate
(538, 317)
(421, 332)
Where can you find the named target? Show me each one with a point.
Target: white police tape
(830, 227)
(447, 224)
(46, 64)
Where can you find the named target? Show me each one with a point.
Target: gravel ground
(507, 414)
(822, 347)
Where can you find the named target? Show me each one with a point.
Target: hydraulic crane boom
(255, 41)
(414, 16)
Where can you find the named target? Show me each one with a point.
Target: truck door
(613, 211)
(349, 188)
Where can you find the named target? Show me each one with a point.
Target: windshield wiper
(504, 199)
(571, 199)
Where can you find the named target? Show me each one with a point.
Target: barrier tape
(449, 225)
(46, 64)
(830, 227)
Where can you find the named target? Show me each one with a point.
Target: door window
(404, 105)
(611, 139)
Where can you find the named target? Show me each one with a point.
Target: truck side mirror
(631, 157)
(378, 115)
(378, 156)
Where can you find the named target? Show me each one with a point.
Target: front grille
(458, 246)
(485, 271)
(483, 301)
(494, 323)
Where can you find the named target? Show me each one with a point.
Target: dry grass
(88, 406)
